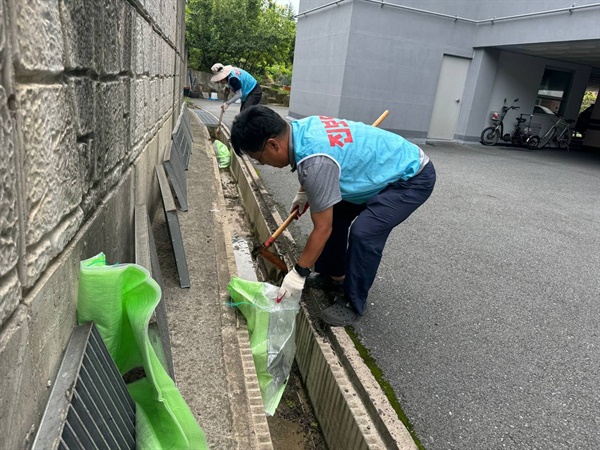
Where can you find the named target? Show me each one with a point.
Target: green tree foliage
(251, 34)
(588, 98)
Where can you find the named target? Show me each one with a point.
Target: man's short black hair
(253, 127)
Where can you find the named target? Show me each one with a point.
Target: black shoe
(324, 283)
(340, 314)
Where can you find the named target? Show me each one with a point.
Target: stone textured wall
(89, 93)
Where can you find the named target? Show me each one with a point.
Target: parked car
(538, 109)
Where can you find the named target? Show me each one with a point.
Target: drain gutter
(350, 406)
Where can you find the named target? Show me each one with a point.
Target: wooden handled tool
(381, 118)
(219, 123)
(263, 249)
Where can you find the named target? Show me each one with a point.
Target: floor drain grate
(207, 118)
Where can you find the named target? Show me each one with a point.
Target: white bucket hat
(219, 71)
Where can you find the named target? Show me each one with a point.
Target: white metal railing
(308, 11)
(492, 20)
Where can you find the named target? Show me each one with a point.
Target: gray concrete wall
(394, 56)
(387, 50)
(88, 91)
(401, 58)
(560, 27)
(320, 60)
(476, 96)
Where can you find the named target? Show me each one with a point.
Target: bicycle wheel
(565, 140)
(490, 136)
(533, 142)
(547, 137)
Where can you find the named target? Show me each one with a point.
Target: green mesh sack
(272, 329)
(223, 154)
(120, 300)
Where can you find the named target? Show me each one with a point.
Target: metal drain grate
(89, 406)
(207, 118)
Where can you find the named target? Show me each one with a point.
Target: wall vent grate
(89, 406)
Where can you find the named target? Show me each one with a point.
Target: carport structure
(548, 57)
(583, 52)
(441, 67)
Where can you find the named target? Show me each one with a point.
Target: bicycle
(522, 135)
(560, 133)
(491, 135)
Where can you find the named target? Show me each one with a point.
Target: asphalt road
(485, 315)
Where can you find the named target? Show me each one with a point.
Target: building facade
(441, 67)
(89, 94)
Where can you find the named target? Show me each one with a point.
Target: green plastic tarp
(120, 300)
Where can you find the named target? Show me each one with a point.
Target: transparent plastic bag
(272, 329)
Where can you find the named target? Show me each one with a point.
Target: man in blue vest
(356, 178)
(243, 85)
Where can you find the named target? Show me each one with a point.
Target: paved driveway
(485, 316)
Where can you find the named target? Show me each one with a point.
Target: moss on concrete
(385, 386)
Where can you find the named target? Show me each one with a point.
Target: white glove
(300, 202)
(224, 106)
(292, 285)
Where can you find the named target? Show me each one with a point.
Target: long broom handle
(381, 118)
(220, 120)
(282, 227)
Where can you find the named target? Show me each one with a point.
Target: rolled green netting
(272, 329)
(120, 300)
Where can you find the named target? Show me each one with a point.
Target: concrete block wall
(89, 94)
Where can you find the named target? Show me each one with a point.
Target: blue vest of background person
(369, 158)
(240, 79)
(244, 85)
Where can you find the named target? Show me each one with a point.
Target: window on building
(553, 90)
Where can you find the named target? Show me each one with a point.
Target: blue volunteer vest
(247, 80)
(369, 158)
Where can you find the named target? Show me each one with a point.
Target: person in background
(360, 182)
(243, 85)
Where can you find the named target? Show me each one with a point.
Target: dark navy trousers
(357, 254)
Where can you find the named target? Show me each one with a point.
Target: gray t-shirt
(320, 178)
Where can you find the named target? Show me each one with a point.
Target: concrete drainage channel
(350, 407)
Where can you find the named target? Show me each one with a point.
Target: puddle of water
(246, 267)
(294, 427)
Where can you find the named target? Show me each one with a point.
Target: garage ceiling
(579, 52)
